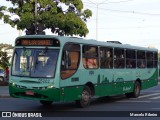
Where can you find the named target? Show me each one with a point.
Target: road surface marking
(156, 108)
(148, 95)
(154, 98)
(134, 101)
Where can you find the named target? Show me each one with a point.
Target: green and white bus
(55, 68)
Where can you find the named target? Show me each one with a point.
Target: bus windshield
(34, 62)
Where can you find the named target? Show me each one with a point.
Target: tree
(5, 45)
(1, 13)
(64, 17)
(4, 59)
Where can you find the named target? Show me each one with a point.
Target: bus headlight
(12, 83)
(50, 86)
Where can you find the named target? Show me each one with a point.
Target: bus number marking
(43, 80)
(75, 79)
(91, 72)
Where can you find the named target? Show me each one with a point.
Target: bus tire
(46, 103)
(137, 88)
(85, 97)
(136, 91)
(1, 79)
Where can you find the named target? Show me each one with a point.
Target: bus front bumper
(48, 94)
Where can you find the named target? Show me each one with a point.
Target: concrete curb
(5, 96)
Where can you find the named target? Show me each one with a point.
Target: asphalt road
(115, 106)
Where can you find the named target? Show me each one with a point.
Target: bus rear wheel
(137, 88)
(46, 103)
(136, 91)
(85, 97)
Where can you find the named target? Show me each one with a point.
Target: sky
(135, 22)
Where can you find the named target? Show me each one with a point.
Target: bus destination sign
(38, 42)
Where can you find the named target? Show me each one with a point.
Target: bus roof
(64, 40)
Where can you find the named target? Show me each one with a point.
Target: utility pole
(97, 5)
(35, 17)
(97, 22)
(19, 32)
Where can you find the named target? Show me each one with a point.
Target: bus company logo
(6, 114)
(126, 88)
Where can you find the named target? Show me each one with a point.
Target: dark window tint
(149, 59)
(106, 57)
(141, 59)
(119, 58)
(130, 59)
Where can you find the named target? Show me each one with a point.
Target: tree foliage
(5, 45)
(4, 58)
(2, 8)
(64, 17)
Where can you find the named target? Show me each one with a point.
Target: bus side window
(106, 57)
(84, 60)
(90, 57)
(130, 58)
(70, 60)
(119, 58)
(141, 59)
(155, 62)
(150, 59)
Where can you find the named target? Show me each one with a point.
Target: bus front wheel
(85, 97)
(43, 102)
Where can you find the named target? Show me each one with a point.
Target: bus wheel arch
(91, 86)
(138, 80)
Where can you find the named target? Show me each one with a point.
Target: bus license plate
(29, 93)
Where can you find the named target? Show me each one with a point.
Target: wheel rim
(137, 89)
(85, 97)
(1, 79)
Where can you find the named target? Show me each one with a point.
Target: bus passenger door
(69, 71)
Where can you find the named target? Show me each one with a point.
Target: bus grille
(20, 86)
(24, 87)
(22, 94)
(40, 88)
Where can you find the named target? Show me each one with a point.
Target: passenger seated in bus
(108, 59)
(142, 65)
(84, 62)
(129, 65)
(92, 63)
(121, 64)
(89, 63)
